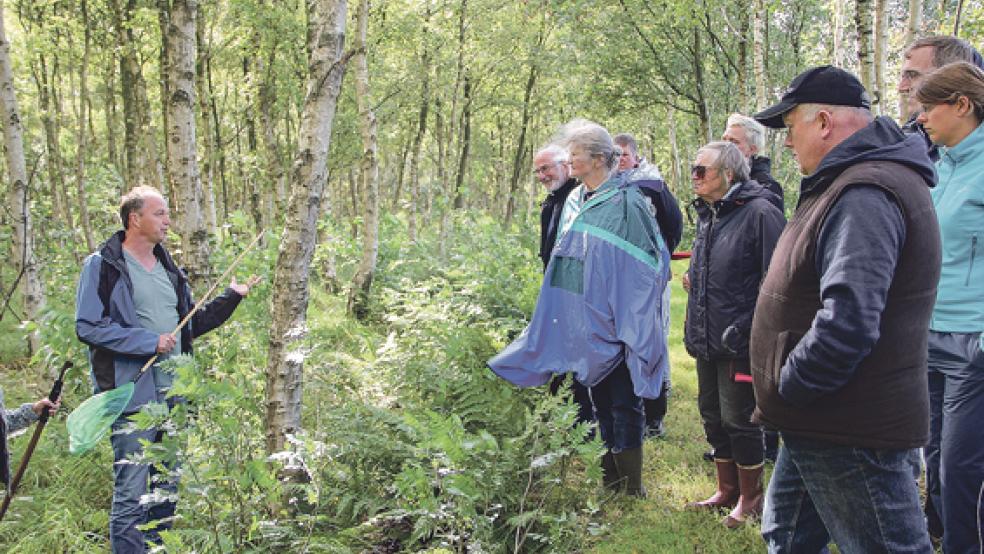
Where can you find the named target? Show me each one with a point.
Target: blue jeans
(130, 484)
(955, 453)
(618, 410)
(864, 499)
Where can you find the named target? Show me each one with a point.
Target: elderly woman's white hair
(728, 158)
(592, 138)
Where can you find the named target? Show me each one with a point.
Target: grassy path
(675, 473)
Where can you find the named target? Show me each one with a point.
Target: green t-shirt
(154, 299)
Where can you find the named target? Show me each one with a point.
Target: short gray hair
(945, 49)
(557, 153)
(626, 140)
(729, 158)
(592, 138)
(754, 131)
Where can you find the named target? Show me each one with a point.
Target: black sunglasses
(699, 171)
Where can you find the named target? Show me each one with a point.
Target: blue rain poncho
(599, 304)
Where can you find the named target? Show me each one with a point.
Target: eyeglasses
(699, 171)
(545, 167)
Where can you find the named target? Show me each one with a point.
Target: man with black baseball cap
(838, 342)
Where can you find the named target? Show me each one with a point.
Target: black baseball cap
(825, 84)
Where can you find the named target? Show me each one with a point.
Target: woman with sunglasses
(599, 310)
(737, 229)
(953, 110)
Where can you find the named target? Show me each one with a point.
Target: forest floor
(675, 473)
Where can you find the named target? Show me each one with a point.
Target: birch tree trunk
(18, 201)
(49, 121)
(518, 158)
(82, 136)
(182, 153)
(863, 21)
(289, 295)
(208, 145)
(758, 54)
(838, 7)
(881, 55)
(362, 281)
(912, 29)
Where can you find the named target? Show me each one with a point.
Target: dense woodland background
(385, 151)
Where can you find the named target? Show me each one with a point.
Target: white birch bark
(289, 296)
(758, 54)
(880, 57)
(863, 21)
(24, 259)
(186, 181)
(369, 172)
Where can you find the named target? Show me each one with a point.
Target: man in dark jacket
(749, 136)
(551, 169)
(669, 218)
(131, 296)
(838, 346)
(920, 58)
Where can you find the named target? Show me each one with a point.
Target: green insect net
(92, 420)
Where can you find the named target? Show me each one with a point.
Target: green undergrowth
(408, 442)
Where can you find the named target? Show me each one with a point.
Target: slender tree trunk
(758, 54)
(675, 162)
(110, 118)
(49, 121)
(82, 137)
(362, 282)
(741, 76)
(880, 55)
(289, 295)
(517, 169)
(703, 111)
(399, 175)
(208, 145)
(421, 130)
(140, 144)
(838, 7)
(912, 30)
(24, 258)
(866, 58)
(459, 179)
(182, 150)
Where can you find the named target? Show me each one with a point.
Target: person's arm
(215, 313)
(95, 329)
(857, 251)
(668, 216)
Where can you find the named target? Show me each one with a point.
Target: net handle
(198, 305)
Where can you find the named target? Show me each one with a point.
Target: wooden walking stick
(52, 396)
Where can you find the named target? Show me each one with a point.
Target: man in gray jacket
(130, 298)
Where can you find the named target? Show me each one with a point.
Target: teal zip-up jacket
(959, 203)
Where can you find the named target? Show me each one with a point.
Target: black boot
(629, 464)
(609, 472)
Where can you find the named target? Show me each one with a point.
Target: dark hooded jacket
(839, 338)
(912, 127)
(550, 210)
(669, 218)
(761, 171)
(731, 253)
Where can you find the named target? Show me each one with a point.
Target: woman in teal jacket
(953, 102)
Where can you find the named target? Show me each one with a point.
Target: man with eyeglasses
(551, 169)
(922, 57)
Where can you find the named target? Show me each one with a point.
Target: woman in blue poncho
(599, 313)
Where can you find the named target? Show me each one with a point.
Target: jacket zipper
(973, 254)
